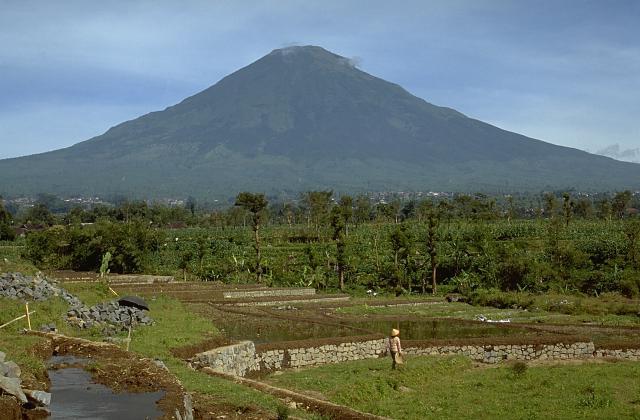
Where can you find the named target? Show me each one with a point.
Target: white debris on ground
(485, 319)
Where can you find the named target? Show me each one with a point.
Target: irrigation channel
(76, 396)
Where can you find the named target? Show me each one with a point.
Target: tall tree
(432, 249)
(620, 202)
(510, 209)
(408, 211)
(255, 204)
(317, 203)
(289, 212)
(190, 205)
(423, 209)
(567, 208)
(584, 208)
(604, 209)
(6, 232)
(401, 244)
(362, 212)
(346, 209)
(338, 223)
(632, 232)
(550, 205)
(39, 214)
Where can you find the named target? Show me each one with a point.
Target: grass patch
(90, 293)
(11, 260)
(46, 312)
(22, 349)
(452, 387)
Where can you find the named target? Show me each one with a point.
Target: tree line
(464, 243)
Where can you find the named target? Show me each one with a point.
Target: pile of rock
(111, 313)
(37, 288)
(10, 383)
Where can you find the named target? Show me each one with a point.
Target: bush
(512, 269)
(6, 232)
(81, 248)
(629, 285)
(500, 299)
(465, 283)
(282, 412)
(519, 368)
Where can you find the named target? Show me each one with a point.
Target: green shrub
(465, 283)
(590, 399)
(82, 247)
(498, 299)
(629, 285)
(519, 368)
(282, 412)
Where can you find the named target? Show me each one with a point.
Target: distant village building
(25, 229)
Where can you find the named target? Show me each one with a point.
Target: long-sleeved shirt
(394, 344)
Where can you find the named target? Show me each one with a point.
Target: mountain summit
(303, 118)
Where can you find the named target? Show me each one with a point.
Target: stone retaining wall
(285, 302)
(236, 359)
(320, 355)
(628, 354)
(241, 359)
(139, 279)
(240, 294)
(495, 354)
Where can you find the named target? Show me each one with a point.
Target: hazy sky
(567, 71)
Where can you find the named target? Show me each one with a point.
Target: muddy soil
(11, 409)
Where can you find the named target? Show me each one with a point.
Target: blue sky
(567, 72)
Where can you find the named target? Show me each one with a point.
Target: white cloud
(616, 152)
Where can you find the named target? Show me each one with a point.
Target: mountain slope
(304, 118)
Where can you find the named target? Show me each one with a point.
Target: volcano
(303, 118)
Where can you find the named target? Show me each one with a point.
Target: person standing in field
(395, 348)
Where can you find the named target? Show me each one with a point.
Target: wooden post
(129, 337)
(26, 304)
(14, 320)
(130, 324)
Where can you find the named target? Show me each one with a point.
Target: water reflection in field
(267, 330)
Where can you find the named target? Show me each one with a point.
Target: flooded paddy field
(269, 325)
(311, 322)
(279, 315)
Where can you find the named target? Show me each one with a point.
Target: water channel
(75, 396)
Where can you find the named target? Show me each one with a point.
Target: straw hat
(395, 332)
